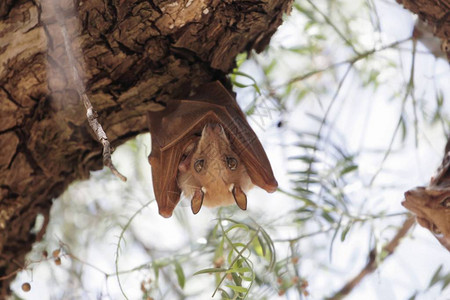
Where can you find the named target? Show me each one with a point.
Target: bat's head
(211, 173)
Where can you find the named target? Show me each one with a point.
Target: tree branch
(373, 264)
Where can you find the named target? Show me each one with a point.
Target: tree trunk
(132, 56)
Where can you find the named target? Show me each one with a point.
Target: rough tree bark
(134, 55)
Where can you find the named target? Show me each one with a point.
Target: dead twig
(90, 112)
(373, 263)
(101, 136)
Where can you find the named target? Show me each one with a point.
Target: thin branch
(348, 61)
(409, 92)
(121, 237)
(238, 256)
(73, 257)
(373, 263)
(328, 20)
(10, 274)
(325, 117)
(413, 98)
(372, 6)
(307, 235)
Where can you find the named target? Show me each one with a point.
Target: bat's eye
(446, 202)
(198, 165)
(232, 163)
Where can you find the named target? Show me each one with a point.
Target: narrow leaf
(180, 275)
(210, 270)
(345, 231)
(238, 289)
(436, 276)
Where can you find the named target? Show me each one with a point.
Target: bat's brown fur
(216, 179)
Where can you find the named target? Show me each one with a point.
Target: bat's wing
(242, 136)
(167, 192)
(182, 124)
(170, 137)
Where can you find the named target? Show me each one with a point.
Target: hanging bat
(204, 148)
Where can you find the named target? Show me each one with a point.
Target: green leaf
(272, 253)
(306, 146)
(180, 274)
(241, 85)
(246, 278)
(349, 169)
(303, 190)
(230, 257)
(307, 181)
(239, 270)
(242, 226)
(328, 217)
(446, 281)
(301, 220)
(241, 58)
(237, 279)
(258, 246)
(413, 297)
(404, 128)
(238, 244)
(436, 277)
(269, 68)
(210, 270)
(345, 231)
(251, 110)
(238, 289)
(305, 158)
(156, 271)
(219, 249)
(225, 295)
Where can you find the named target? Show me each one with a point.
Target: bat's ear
(240, 197)
(197, 201)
